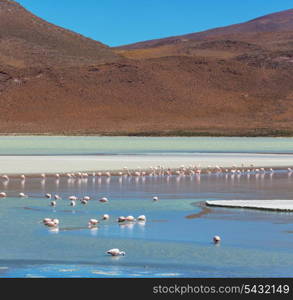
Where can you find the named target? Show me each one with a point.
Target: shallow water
(254, 243)
(176, 239)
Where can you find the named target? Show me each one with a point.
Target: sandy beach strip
(270, 205)
(93, 163)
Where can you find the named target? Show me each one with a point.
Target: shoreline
(148, 173)
(145, 164)
(172, 133)
(265, 205)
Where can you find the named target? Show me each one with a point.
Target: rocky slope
(53, 81)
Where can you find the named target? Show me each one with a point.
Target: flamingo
(115, 252)
(3, 195)
(121, 219)
(216, 239)
(53, 203)
(106, 217)
(57, 176)
(56, 221)
(48, 196)
(130, 219)
(83, 201)
(93, 222)
(43, 176)
(51, 222)
(155, 198)
(46, 220)
(87, 198)
(5, 177)
(142, 218)
(22, 195)
(104, 199)
(57, 197)
(72, 203)
(22, 177)
(73, 198)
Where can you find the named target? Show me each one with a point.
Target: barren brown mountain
(276, 22)
(236, 82)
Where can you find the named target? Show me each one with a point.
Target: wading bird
(130, 219)
(104, 200)
(115, 252)
(22, 195)
(5, 177)
(121, 219)
(106, 217)
(216, 239)
(83, 201)
(93, 222)
(142, 218)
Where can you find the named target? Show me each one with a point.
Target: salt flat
(274, 205)
(73, 163)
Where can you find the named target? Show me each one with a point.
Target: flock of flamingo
(157, 171)
(93, 223)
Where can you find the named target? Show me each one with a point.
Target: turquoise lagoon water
(176, 239)
(254, 243)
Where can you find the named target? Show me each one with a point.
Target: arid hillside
(28, 41)
(276, 22)
(53, 81)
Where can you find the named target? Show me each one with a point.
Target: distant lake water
(38, 154)
(81, 145)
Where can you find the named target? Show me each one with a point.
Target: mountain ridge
(53, 81)
(226, 30)
(35, 41)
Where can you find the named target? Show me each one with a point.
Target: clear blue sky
(118, 22)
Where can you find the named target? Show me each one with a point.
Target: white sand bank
(74, 163)
(274, 205)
